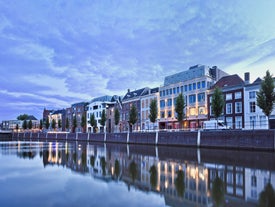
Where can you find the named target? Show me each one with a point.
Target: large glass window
(185, 87)
(238, 107)
(229, 122)
(203, 84)
(252, 106)
(162, 103)
(192, 99)
(169, 102)
(228, 96)
(252, 94)
(238, 122)
(238, 95)
(194, 86)
(174, 90)
(201, 97)
(199, 85)
(190, 87)
(252, 121)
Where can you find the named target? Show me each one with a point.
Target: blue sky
(58, 52)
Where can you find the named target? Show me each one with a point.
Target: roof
(79, 104)
(151, 91)
(136, 93)
(229, 81)
(31, 117)
(61, 111)
(102, 99)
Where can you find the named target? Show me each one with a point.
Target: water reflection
(183, 176)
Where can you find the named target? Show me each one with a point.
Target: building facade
(193, 84)
(58, 116)
(76, 112)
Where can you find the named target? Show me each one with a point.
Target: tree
(153, 111)
(133, 170)
(83, 121)
(133, 117)
(30, 124)
(267, 196)
(117, 116)
(179, 183)
(180, 105)
(24, 125)
(217, 103)
(59, 124)
(266, 95)
(218, 191)
(40, 124)
(74, 123)
(53, 124)
(47, 123)
(93, 121)
(67, 123)
(22, 117)
(153, 176)
(103, 118)
(17, 127)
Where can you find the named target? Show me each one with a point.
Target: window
(252, 121)
(185, 87)
(238, 107)
(238, 122)
(228, 96)
(201, 97)
(194, 86)
(192, 99)
(203, 84)
(190, 87)
(169, 114)
(160, 93)
(229, 122)
(170, 91)
(192, 111)
(252, 106)
(178, 89)
(238, 95)
(199, 85)
(175, 101)
(263, 122)
(162, 103)
(252, 94)
(174, 90)
(253, 181)
(201, 110)
(163, 92)
(169, 102)
(162, 114)
(229, 108)
(181, 89)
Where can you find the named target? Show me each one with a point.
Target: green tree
(17, 127)
(47, 123)
(67, 125)
(180, 105)
(153, 176)
(179, 183)
(153, 111)
(217, 103)
(40, 124)
(103, 119)
(74, 123)
(133, 170)
(30, 124)
(53, 124)
(83, 122)
(267, 196)
(133, 117)
(117, 116)
(24, 125)
(93, 122)
(266, 95)
(22, 117)
(59, 124)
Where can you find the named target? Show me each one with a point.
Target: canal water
(59, 174)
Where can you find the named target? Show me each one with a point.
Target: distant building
(58, 116)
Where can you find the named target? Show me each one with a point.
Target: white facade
(254, 116)
(145, 100)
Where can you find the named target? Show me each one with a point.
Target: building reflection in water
(242, 184)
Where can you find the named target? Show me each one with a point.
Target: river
(94, 174)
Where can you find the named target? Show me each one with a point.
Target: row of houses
(196, 84)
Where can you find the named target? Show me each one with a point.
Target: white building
(254, 116)
(146, 99)
(193, 84)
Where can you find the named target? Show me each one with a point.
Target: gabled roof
(229, 81)
(31, 117)
(61, 111)
(136, 93)
(258, 80)
(102, 99)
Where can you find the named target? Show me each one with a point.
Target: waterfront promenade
(228, 139)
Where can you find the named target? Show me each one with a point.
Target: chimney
(247, 78)
(128, 90)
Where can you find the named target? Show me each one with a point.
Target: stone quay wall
(228, 139)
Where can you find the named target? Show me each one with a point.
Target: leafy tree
(267, 196)
(117, 116)
(40, 124)
(67, 123)
(133, 170)
(74, 123)
(217, 102)
(153, 176)
(103, 165)
(117, 168)
(103, 118)
(92, 160)
(47, 123)
(153, 111)
(53, 124)
(22, 117)
(133, 117)
(24, 125)
(93, 122)
(180, 105)
(30, 124)
(17, 127)
(59, 124)
(83, 121)
(266, 95)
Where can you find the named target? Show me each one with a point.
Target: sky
(57, 52)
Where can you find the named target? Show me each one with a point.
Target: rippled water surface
(93, 174)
